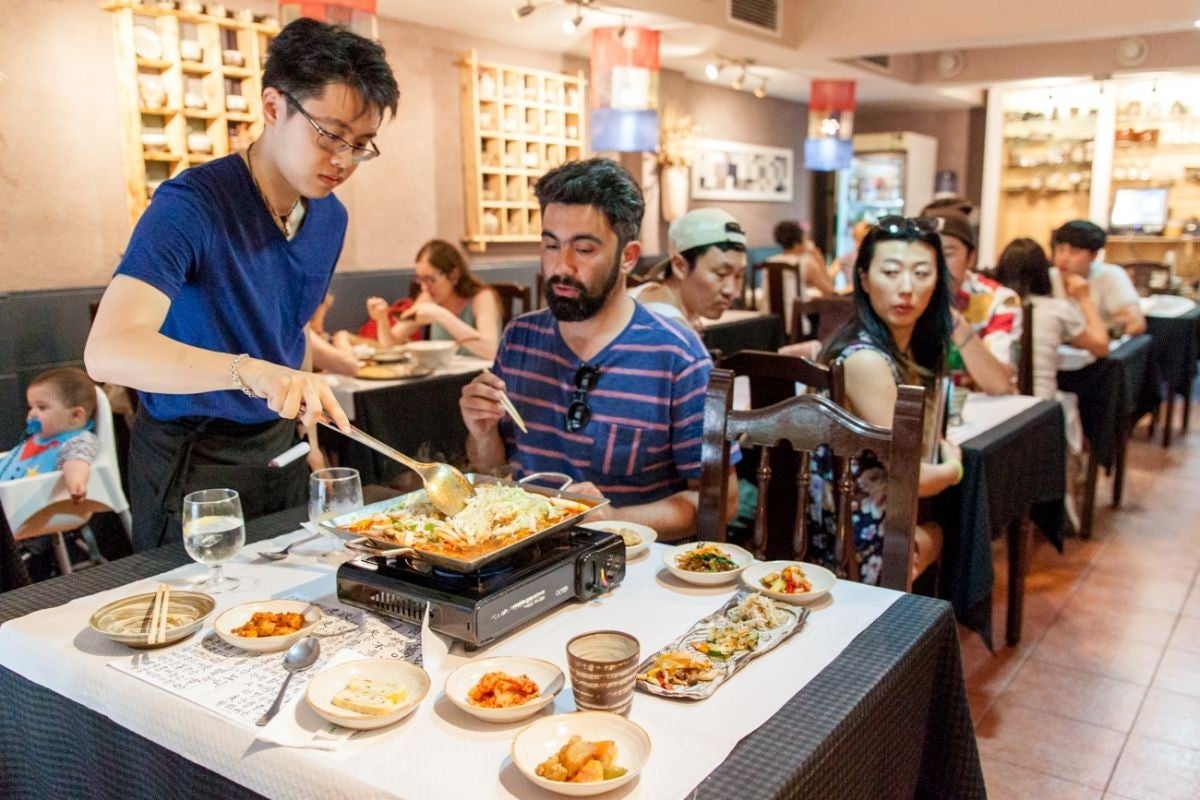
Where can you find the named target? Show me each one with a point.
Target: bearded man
(612, 394)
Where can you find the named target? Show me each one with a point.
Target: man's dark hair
(598, 182)
(788, 234)
(1024, 268)
(1080, 233)
(308, 55)
(693, 253)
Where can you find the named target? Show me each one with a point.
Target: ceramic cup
(603, 667)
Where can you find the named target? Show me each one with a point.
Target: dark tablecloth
(1114, 393)
(887, 719)
(420, 418)
(1175, 349)
(763, 332)
(1012, 470)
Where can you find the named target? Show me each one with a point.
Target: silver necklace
(281, 220)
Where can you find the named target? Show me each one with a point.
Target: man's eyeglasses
(331, 142)
(895, 225)
(578, 413)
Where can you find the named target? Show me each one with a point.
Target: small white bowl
(324, 686)
(647, 534)
(547, 676)
(741, 557)
(432, 354)
(240, 615)
(544, 738)
(822, 580)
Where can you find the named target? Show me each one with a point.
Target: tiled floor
(1102, 698)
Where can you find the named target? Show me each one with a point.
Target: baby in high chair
(59, 431)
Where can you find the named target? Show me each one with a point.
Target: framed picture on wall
(735, 171)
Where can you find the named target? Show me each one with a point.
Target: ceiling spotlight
(761, 90)
(712, 70)
(569, 26)
(524, 11)
(740, 80)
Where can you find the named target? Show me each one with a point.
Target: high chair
(41, 506)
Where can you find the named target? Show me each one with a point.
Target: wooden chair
(1025, 356)
(806, 422)
(1148, 274)
(779, 274)
(508, 293)
(830, 314)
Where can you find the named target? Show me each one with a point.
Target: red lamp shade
(829, 143)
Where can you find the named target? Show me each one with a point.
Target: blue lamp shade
(624, 131)
(828, 154)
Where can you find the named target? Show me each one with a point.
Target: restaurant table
(739, 329)
(887, 718)
(1114, 393)
(418, 417)
(1175, 348)
(1013, 456)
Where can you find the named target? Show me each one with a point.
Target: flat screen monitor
(1140, 210)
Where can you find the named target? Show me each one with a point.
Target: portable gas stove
(479, 607)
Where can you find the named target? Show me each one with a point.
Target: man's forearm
(486, 453)
(673, 517)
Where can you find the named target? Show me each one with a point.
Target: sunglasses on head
(578, 412)
(895, 225)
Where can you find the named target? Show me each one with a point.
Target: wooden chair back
(1026, 356)
(1147, 275)
(778, 274)
(806, 422)
(508, 293)
(773, 376)
(829, 313)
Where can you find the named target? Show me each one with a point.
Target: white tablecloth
(983, 412)
(344, 386)
(439, 751)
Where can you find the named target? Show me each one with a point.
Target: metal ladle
(447, 487)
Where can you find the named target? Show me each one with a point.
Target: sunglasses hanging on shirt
(578, 412)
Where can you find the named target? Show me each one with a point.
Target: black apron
(170, 459)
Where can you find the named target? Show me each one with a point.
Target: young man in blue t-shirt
(612, 394)
(206, 313)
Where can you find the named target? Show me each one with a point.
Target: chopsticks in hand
(158, 615)
(510, 408)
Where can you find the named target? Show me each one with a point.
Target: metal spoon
(300, 656)
(279, 555)
(447, 487)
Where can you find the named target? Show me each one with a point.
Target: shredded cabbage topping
(495, 515)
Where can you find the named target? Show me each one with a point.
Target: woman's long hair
(1024, 268)
(445, 258)
(931, 334)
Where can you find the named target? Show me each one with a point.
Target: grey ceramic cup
(603, 666)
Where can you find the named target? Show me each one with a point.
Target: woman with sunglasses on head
(206, 314)
(453, 303)
(900, 335)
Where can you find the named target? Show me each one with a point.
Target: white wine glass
(213, 532)
(331, 492)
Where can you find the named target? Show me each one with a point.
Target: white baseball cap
(704, 226)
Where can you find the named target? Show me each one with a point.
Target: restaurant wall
(62, 184)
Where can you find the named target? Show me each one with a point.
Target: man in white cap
(705, 271)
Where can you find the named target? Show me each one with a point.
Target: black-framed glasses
(331, 142)
(895, 225)
(578, 412)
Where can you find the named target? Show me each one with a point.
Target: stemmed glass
(213, 532)
(331, 492)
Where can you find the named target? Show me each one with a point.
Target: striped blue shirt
(642, 442)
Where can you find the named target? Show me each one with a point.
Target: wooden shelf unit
(517, 124)
(165, 99)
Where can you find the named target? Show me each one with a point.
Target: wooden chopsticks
(510, 408)
(158, 615)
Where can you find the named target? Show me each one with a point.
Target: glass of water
(213, 532)
(331, 492)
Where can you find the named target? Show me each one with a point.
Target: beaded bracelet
(959, 467)
(237, 376)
